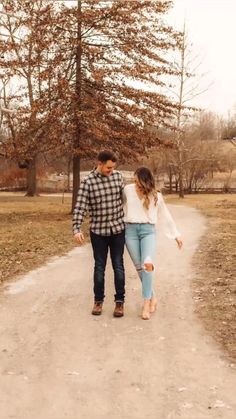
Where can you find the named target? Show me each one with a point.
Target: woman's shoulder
(129, 187)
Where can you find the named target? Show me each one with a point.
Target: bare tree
(229, 128)
(187, 89)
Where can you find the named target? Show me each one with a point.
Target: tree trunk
(76, 157)
(181, 186)
(190, 187)
(31, 178)
(179, 134)
(68, 174)
(180, 169)
(31, 172)
(170, 181)
(176, 185)
(76, 179)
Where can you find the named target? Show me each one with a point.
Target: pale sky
(211, 26)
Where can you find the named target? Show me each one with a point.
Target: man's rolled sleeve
(81, 206)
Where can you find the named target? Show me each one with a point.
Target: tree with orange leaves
(97, 69)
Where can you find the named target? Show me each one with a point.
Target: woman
(142, 203)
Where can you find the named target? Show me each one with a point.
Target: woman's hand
(179, 242)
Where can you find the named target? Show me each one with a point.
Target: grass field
(214, 288)
(35, 229)
(32, 230)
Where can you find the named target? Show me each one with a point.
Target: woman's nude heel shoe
(153, 304)
(146, 310)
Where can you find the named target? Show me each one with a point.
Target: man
(101, 194)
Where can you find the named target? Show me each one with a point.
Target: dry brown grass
(31, 231)
(215, 284)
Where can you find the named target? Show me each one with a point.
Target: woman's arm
(169, 224)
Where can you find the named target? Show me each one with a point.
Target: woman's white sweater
(155, 214)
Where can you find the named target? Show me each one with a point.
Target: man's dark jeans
(101, 244)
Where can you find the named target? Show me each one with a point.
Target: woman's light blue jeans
(140, 239)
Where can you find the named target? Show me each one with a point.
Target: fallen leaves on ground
(214, 287)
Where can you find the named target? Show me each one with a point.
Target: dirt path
(59, 362)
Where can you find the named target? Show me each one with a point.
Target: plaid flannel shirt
(101, 196)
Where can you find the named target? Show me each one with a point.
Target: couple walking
(121, 215)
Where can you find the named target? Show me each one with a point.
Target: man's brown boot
(97, 309)
(119, 309)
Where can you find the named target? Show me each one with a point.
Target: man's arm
(80, 210)
(122, 185)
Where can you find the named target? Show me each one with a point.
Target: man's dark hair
(105, 155)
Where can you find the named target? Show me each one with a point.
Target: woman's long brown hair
(146, 185)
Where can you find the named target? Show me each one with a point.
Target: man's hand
(179, 243)
(79, 238)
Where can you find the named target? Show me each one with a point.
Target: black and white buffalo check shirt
(101, 196)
